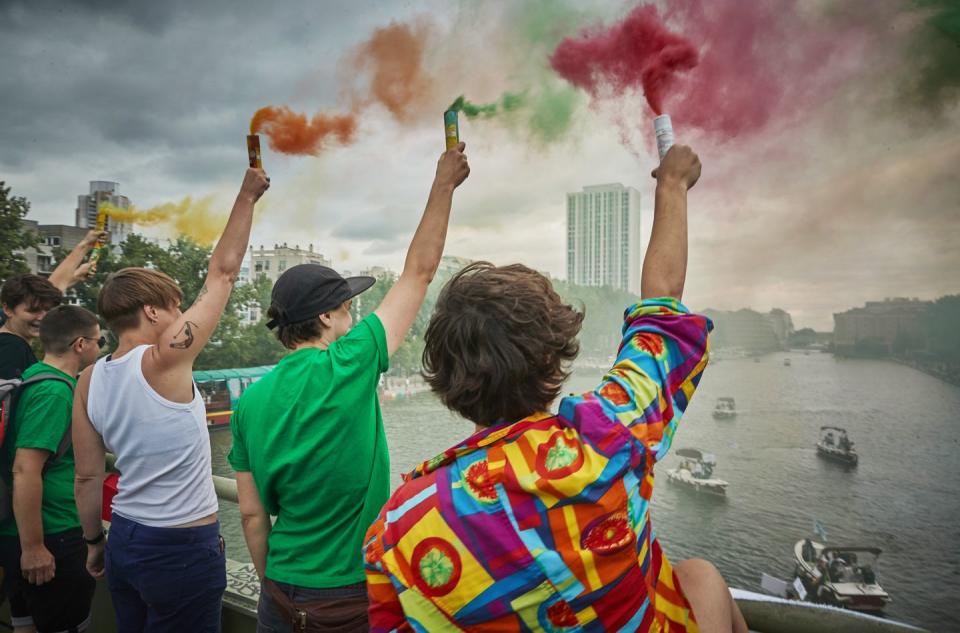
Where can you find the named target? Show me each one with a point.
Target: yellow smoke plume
(196, 219)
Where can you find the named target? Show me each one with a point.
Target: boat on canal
(839, 576)
(725, 408)
(696, 472)
(222, 388)
(835, 445)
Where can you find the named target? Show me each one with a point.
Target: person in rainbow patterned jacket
(540, 521)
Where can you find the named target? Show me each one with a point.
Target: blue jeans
(165, 580)
(345, 607)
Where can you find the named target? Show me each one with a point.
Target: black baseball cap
(307, 290)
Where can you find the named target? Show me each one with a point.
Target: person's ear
(151, 313)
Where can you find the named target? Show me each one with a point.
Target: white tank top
(162, 447)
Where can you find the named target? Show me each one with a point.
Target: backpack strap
(67, 440)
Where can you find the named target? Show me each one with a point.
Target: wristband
(95, 540)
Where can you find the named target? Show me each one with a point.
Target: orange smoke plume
(293, 133)
(394, 58)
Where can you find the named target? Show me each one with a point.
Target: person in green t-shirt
(308, 439)
(41, 544)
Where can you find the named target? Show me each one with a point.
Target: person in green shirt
(41, 544)
(308, 439)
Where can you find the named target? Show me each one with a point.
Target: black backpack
(10, 391)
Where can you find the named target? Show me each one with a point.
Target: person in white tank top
(164, 561)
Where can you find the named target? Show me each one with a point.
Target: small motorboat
(835, 445)
(786, 362)
(725, 409)
(839, 576)
(696, 472)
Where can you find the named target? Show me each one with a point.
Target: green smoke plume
(933, 76)
(547, 113)
(540, 107)
(507, 103)
(552, 113)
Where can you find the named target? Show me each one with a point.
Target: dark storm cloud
(115, 79)
(148, 16)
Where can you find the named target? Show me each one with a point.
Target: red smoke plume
(736, 67)
(759, 61)
(637, 52)
(292, 133)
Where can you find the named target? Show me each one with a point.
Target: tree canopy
(13, 209)
(236, 345)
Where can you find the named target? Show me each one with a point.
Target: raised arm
(72, 270)
(665, 264)
(664, 348)
(399, 308)
(183, 341)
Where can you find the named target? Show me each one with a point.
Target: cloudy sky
(850, 198)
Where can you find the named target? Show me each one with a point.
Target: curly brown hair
(499, 343)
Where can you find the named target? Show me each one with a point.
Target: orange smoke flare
(293, 133)
(394, 57)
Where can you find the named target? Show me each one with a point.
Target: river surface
(903, 497)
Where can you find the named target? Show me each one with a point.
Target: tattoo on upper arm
(184, 338)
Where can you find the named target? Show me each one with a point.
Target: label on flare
(663, 129)
(253, 151)
(452, 127)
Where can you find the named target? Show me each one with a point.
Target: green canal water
(903, 496)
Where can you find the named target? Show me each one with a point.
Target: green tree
(236, 345)
(803, 337)
(232, 343)
(13, 237)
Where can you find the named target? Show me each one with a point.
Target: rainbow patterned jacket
(543, 524)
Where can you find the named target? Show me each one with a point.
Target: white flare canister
(663, 129)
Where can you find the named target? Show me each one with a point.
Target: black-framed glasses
(101, 342)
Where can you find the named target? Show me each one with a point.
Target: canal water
(903, 497)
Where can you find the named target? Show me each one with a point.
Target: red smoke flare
(638, 52)
(292, 133)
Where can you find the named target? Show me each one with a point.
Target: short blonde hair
(126, 291)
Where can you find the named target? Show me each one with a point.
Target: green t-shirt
(311, 434)
(41, 418)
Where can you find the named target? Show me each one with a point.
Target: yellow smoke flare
(193, 218)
